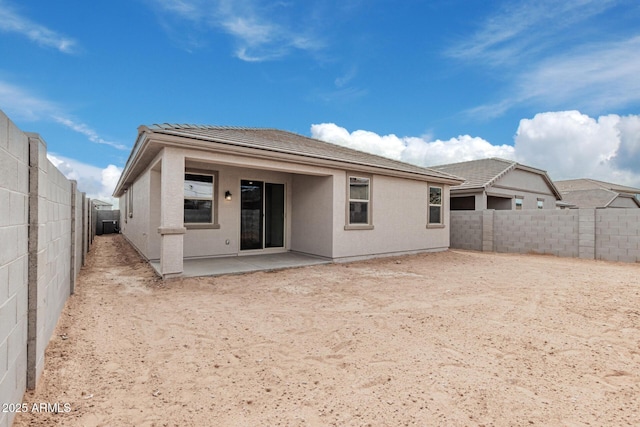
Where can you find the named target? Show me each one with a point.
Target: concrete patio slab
(244, 264)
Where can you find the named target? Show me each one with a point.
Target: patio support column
(171, 213)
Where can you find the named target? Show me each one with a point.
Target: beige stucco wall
(315, 209)
(623, 202)
(527, 184)
(136, 226)
(208, 242)
(311, 226)
(399, 208)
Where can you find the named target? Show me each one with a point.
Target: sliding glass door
(261, 215)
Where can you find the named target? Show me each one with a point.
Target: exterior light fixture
(227, 195)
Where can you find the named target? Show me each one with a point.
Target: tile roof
(593, 184)
(478, 173)
(591, 193)
(280, 141)
(594, 198)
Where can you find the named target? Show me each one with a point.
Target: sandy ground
(447, 339)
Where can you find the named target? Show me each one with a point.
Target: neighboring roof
(100, 203)
(483, 173)
(591, 193)
(264, 141)
(592, 184)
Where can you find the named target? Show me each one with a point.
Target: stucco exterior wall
(524, 180)
(136, 226)
(315, 211)
(208, 242)
(311, 215)
(516, 183)
(399, 209)
(623, 202)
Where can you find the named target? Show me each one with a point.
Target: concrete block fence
(605, 234)
(44, 238)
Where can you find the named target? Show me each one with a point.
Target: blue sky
(552, 84)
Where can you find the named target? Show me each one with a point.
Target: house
(206, 191)
(99, 205)
(590, 193)
(501, 185)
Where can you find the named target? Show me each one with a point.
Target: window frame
(214, 200)
(521, 206)
(369, 202)
(130, 201)
(441, 223)
(540, 203)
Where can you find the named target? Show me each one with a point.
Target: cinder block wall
(14, 228)
(606, 234)
(36, 253)
(617, 235)
(552, 232)
(53, 269)
(466, 230)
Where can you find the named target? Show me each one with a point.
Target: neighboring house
(205, 191)
(590, 193)
(101, 206)
(500, 184)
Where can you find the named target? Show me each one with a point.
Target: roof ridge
(512, 165)
(179, 126)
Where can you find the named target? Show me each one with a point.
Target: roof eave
(165, 137)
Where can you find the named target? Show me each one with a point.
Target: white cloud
(259, 29)
(22, 105)
(98, 183)
(417, 150)
(525, 28)
(88, 132)
(554, 54)
(567, 144)
(11, 21)
(598, 77)
(19, 104)
(346, 78)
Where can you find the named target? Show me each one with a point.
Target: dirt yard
(447, 339)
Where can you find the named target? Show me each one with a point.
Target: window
(519, 203)
(359, 201)
(435, 206)
(125, 207)
(198, 198)
(540, 203)
(130, 201)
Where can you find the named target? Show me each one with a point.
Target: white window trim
(440, 224)
(214, 201)
(369, 224)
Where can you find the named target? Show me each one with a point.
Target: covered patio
(218, 266)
